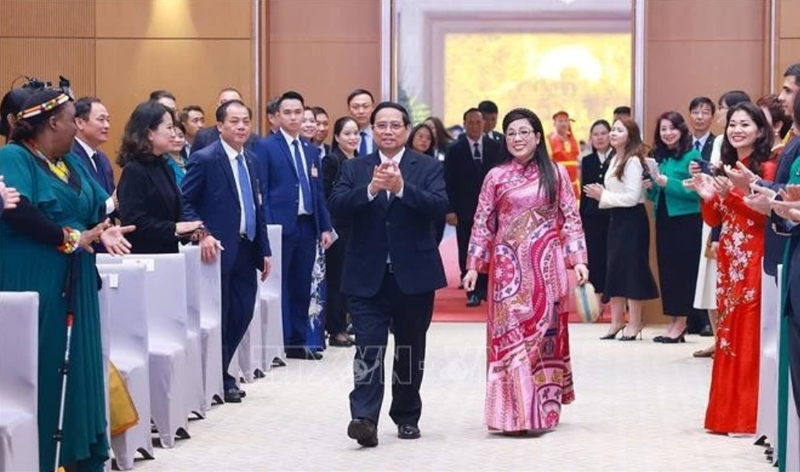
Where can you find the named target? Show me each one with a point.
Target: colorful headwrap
(43, 107)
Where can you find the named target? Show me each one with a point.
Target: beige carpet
(640, 406)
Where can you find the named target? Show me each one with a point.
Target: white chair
(105, 341)
(270, 294)
(204, 286)
(195, 395)
(250, 348)
(165, 276)
(19, 346)
(125, 290)
(767, 417)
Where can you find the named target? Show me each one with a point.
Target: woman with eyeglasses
(527, 234)
(629, 281)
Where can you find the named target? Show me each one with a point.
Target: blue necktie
(362, 149)
(305, 188)
(697, 145)
(247, 199)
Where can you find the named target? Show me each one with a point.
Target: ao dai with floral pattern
(526, 244)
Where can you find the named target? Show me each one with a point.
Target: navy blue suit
(280, 185)
(400, 229)
(210, 194)
(104, 175)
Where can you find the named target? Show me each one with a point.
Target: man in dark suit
(466, 163)
(489, 111)
(393, 198)
(294, 198)
(701, 113)
(360, 102)
(221, 188)
(92, 121)
(323, 128)
(210, 135)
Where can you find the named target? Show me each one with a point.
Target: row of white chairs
(161, 327)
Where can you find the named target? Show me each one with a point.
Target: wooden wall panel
(705, 20)
(789, 54)
(324, 20)
(194, 70)
(325, 73)
(46, 59)
(323, 49)
(789, 20)
(47, 18)
(174, 19)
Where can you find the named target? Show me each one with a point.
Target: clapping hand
(702, 184)
(389, 173)
(741, 176)
(722, 186)
(594, 191)
(789, 208)
(760, 198)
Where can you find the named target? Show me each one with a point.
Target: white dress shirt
(627, 192)
(604, 156)
(396, 159)
(302, 207)
(232, 153)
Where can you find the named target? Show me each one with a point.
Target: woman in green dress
(61, 212)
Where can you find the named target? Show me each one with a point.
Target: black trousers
(463, 233)
(411, 316)
(336, 307)
(239, 286)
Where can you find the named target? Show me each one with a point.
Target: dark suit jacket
(708, 147)
(592, 172)
(400, 228)
(497, 137)
(775, 244)
(104, 175)
(463, 179)
(209, 135)
(210, 194)
(280, 183)
(150, 199)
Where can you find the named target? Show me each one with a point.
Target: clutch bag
(586, 303)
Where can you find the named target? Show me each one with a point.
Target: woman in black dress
(629, 280)
(679, 226)
(595, 220)
(148, 195)
(346, 140)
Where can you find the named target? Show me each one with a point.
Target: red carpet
(450, 305)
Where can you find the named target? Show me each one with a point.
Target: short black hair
(796, 110)
(222, 110)
(488, 106)
(290, 95)
(83, 107)
(622, 110)
(358, 92)
(698, 101)
(733, 97)
(231, 89)
(396, 106)
(319, 111)
(794, 71)
(156, 95)
(272, 105)
(471, 110)
(183, 116)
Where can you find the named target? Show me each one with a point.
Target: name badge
(314, 172)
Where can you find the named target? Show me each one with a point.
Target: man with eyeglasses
(701, 112)
(393, 197)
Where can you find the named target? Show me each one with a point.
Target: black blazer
(400, 228)
(708, 147)
(210, 135)
(592, 172)
(463, 179)
(150, 199)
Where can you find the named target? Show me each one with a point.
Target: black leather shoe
(303, 354)
(278, 362)
(473, 300)
(706, 332)
(364, 431)
(242, 393)
(407, 431)
(336, 342)
(232, 395)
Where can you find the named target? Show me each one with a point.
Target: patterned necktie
(362, 148)
(305, 188)
(477, 153)
(247, 199)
